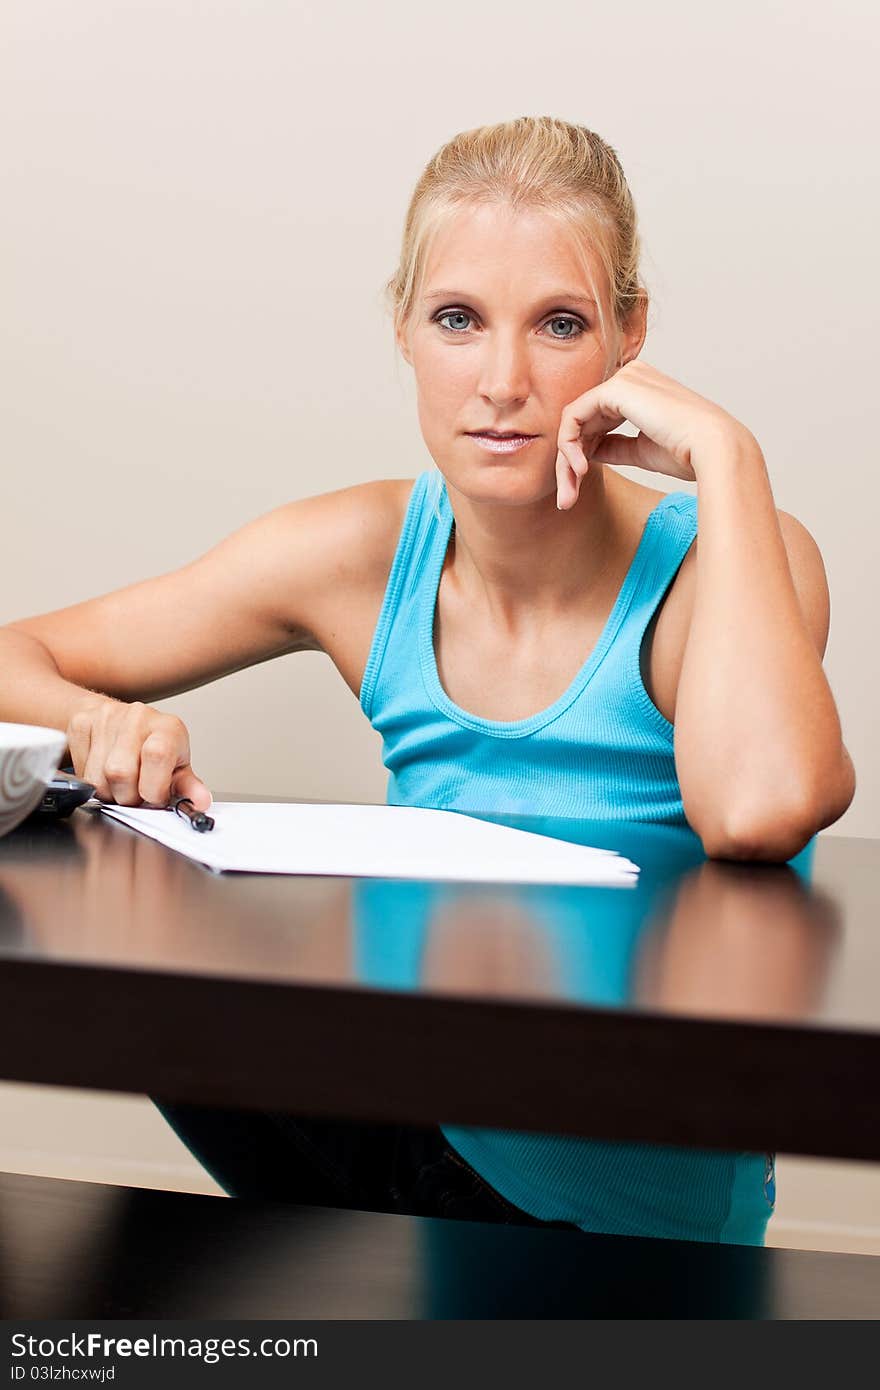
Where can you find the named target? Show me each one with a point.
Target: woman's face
(504, 335)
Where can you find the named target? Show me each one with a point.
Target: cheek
(442, 379)
(568, 386)
(588, 372)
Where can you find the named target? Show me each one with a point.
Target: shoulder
(352, 536)
(342, 531)
(338, 548)
(669, 630)
(805, 566)
(807, 572)
(808, 576)
(355, 529)
(303, 563)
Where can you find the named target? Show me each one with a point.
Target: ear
(402, 344)
(633, 335)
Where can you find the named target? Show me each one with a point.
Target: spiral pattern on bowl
(24, 773)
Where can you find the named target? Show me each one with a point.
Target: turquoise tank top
(602, 751)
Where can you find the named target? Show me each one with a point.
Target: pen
(197, 819)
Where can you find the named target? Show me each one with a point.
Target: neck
(522, 564)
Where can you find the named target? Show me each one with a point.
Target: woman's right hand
(132, 754)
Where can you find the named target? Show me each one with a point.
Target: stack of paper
(351, 841)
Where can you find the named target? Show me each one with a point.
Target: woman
(526, 628)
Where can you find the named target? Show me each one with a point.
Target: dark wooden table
(715, 1004)
(86, 1251)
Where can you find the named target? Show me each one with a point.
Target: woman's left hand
(677, 428)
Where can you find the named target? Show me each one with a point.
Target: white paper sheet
(351, 841)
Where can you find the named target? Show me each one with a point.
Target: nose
(504, 374)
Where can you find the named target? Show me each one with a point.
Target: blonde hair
(530, 163)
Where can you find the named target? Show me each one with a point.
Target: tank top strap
(417, 535)
(668, 537)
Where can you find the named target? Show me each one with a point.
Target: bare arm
(266, 590)
(758, 745)
(262, 592)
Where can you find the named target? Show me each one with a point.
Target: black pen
(197, 819)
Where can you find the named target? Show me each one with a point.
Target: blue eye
(451, 314)
(574, 323)
(462, 314)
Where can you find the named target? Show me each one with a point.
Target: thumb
(185, 783)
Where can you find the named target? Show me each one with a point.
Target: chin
(507, 482)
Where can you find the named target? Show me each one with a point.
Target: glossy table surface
(83, 1250)
(716, 1003)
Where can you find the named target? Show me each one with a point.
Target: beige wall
(201, 204)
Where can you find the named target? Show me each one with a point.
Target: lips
(505, 434)
(502, 444)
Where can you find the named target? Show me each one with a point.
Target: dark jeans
(271, 1156)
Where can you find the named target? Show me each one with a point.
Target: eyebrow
(553, 295)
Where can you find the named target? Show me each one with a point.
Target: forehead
(495, 244)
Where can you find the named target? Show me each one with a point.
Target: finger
(159, 756)
(575, 470)
(186, 783)
(577, 460)
(93, 770)
(639, 451)
(589, 415)
(566, 483)
(79, 738)
(122, 765)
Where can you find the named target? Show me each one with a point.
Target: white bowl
(29, 758)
